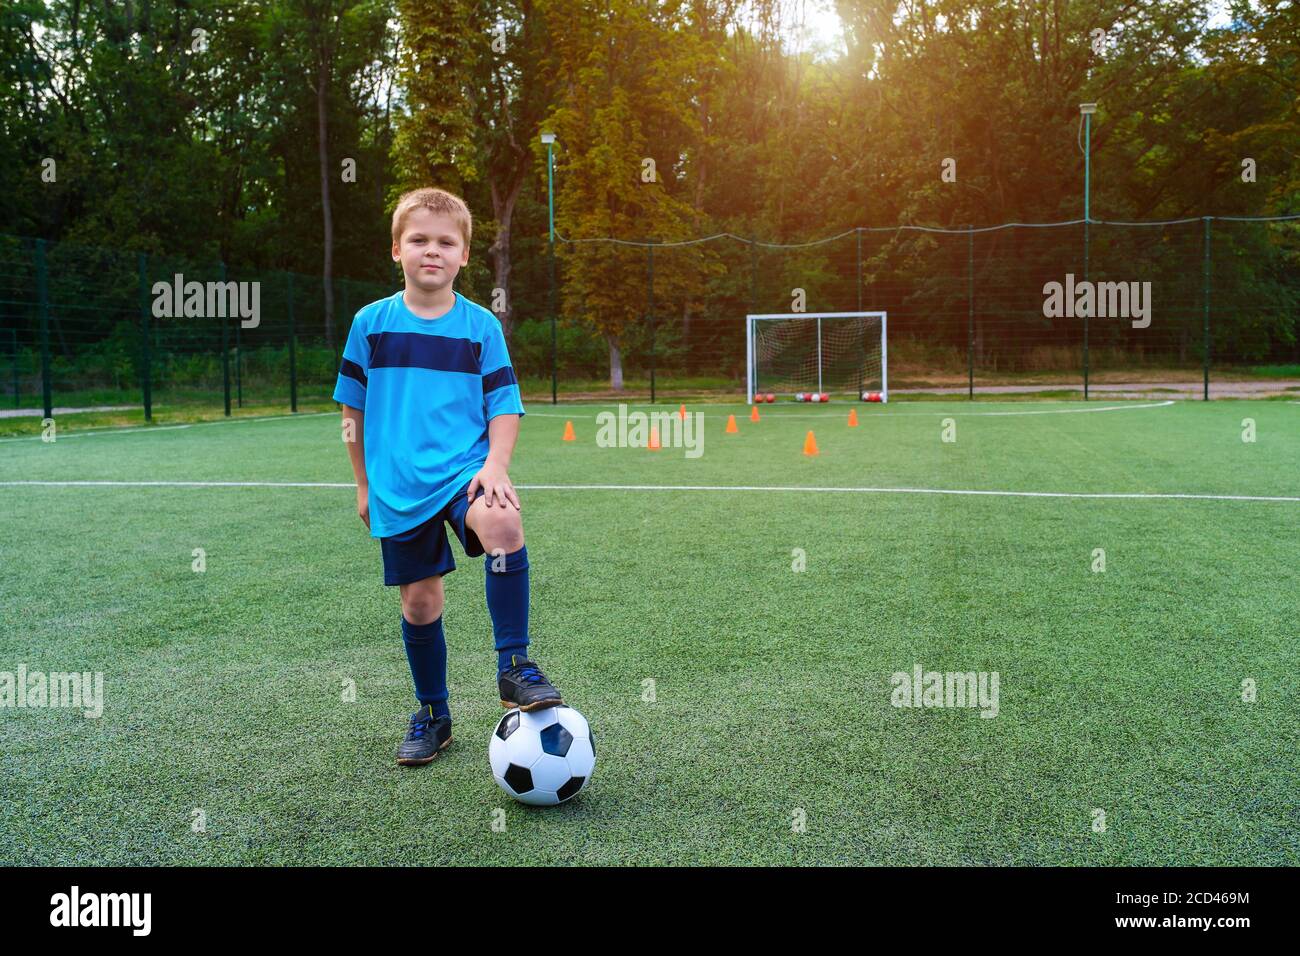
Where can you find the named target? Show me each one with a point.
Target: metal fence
(967, 306)
(78, 324)
(967, 309)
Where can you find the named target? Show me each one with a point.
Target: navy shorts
(424, 551)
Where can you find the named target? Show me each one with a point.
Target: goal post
(837, 353)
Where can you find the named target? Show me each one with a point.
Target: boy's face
(431, 250)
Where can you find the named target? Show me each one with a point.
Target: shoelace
(419, 727)
(531, 675)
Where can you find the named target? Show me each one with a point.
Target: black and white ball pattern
(542, 757)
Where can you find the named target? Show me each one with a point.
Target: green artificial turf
(1119, 691)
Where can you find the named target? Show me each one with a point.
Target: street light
(549, 139)
(1087, 109)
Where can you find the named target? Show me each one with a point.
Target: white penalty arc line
(1117, 495)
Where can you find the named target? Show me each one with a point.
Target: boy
(431, 412)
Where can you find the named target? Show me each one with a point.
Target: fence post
(550, 300)
(293, 358)
(1205, 296)
(146, 353)
(13, 364)
(43, 304)
(857, 269)
(239, 362)
(650, 265)
(753, 293)
(857, 266)
(970, 312)
(225, 350)
(343, 299)
(1086, 241)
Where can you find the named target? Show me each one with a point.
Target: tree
(623, 118)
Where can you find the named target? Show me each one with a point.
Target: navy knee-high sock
(426, 652)
(507, 601)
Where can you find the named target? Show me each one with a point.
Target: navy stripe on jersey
(502, 377)
(353, 370)
(417, 350)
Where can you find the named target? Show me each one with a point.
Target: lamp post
(549, 139)
(1086, 110)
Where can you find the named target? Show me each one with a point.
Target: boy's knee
(499, 528)
(422, 601)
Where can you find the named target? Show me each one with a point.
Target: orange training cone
(654, 438)
(853, 418)
(568, 432)
(731, 425)
(681, 412)
(753, 414)
(810, 445)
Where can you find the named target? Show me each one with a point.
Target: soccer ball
(542, 757)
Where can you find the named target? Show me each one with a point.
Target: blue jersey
(428, 388)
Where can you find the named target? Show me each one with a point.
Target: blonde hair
(437, 201)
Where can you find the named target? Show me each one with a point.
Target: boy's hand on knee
(496, 487)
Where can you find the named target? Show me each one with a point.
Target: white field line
(723, 488)
(867, 416)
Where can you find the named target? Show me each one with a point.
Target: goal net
(836, 353)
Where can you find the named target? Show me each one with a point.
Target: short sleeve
(353, 378)
(500, 387)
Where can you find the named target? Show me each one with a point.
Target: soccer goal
(837, 353)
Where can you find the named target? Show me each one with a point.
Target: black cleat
(524, 686)
(427, 737)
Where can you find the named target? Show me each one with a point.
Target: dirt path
(1254, 389)
(37, 412)
(1190, 389)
